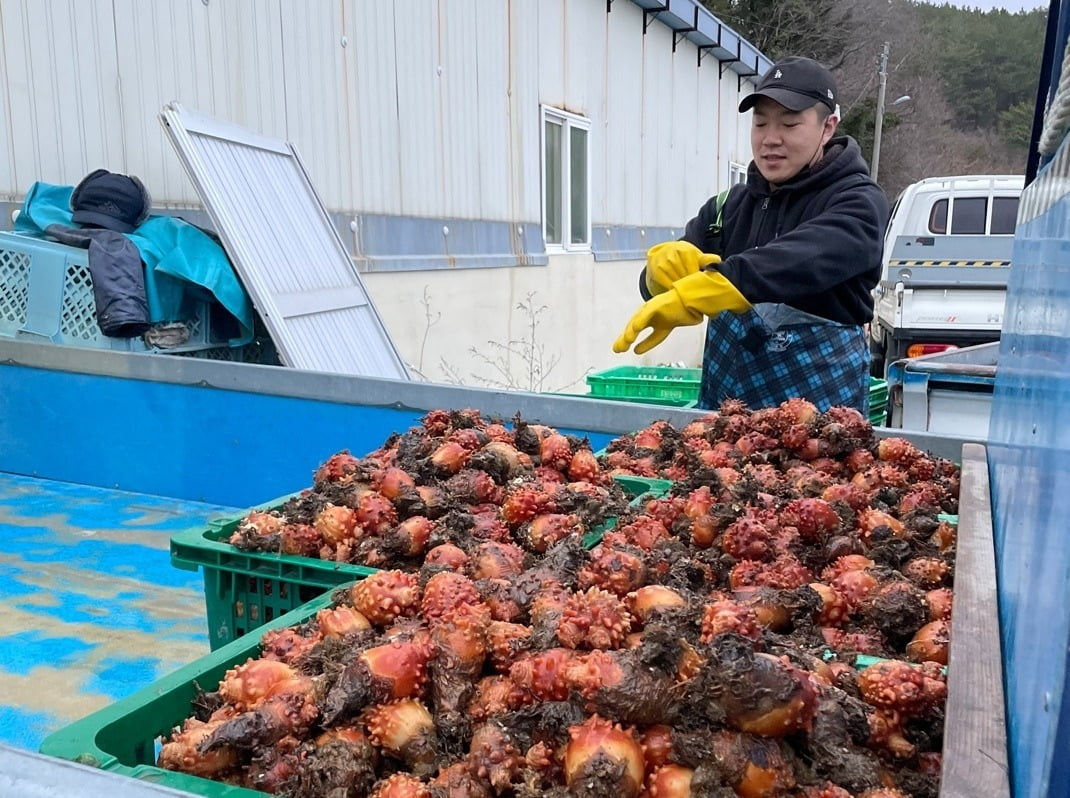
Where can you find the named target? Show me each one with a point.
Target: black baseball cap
(105, 199)
(796, 83)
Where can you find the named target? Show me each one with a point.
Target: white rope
(1057, 117)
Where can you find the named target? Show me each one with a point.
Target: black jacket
(118, 278)
(813, 243)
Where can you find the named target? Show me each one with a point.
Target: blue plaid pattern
(826, 364)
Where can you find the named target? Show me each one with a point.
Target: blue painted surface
(196, 443)
(1029, 458)
(627, 242)
(411, 243)
(90, 607)
(201, 444)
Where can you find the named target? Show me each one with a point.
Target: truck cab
(946, 259)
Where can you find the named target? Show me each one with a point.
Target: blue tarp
(1029, 461)
(182, 263)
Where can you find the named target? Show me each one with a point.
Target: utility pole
(879, 122)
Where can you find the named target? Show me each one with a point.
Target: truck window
(938, 217)
(1004, 215)
(969, 216)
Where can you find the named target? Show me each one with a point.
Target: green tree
(986, 62)
(818, 29)
(1016, 124)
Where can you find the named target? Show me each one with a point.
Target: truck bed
(90, 607)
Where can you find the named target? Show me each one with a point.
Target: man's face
(784, 142)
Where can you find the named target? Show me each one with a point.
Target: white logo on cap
(778, 74)
(829, 93)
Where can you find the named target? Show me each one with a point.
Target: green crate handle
(636, 486)
(198, 547)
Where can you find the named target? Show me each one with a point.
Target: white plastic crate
(46, 294)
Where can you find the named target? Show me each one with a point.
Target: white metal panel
(58, 69)
(663, 180)
(283, 245)
(418, 110)
(622, 147)
(357, 86)
(549, 37)
(224, 57)
(583, 38)
(525, 116)
(495, 172)
(457, 105)
(472, 101)
(315, 43)
(585, 65)
(372, 66)
(695, 150)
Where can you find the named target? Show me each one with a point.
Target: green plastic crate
(243, 590)
(878, 401)
(645, 400)
(665, 384)
(246, 589)
(123, 737)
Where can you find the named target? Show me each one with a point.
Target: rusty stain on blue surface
(90, 607)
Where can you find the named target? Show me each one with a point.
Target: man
(783, 265)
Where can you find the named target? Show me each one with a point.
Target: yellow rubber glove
(671, 261)
(692, 298)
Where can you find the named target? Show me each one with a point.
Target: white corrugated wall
(421, 108)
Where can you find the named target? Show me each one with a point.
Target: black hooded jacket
(813, 243)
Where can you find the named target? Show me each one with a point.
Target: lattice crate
(47, 293)
(14, 290)
(636, 383)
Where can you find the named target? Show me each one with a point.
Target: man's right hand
(671, 261)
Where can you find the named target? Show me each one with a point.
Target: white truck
(947, 255)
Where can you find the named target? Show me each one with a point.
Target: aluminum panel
(662, 178)
(620, 149)
(525, 133)
(55, 126)
(371, 64)
(495, 176)
(459, 106)
(315, 42)
(550, 40)
(418, 109)
(282, 243)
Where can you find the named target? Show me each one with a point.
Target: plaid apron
(762, 365)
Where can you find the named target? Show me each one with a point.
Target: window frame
(949, 204)
(737, 173)
(567, 121)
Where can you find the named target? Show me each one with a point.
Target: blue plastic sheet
(182, 263)
(1029, 457)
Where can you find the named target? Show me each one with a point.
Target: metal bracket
(704, 49)
(680, 34)
(726, 61)
(650, 13)
(741, 75)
